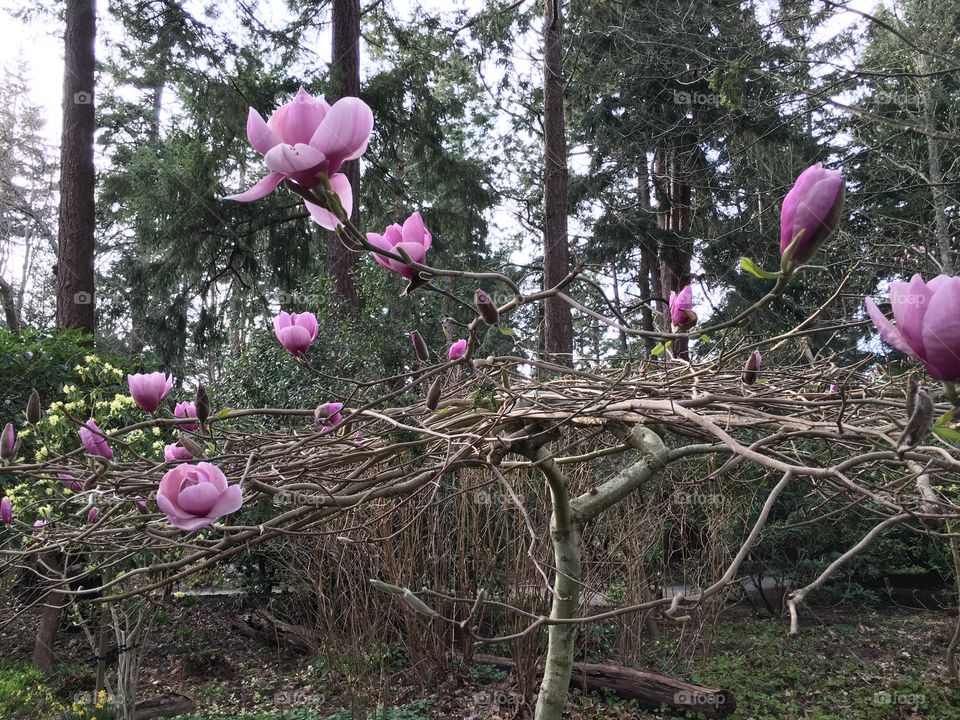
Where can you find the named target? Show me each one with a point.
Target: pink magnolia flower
(93, 441)
(295, 332)
(194, 495)
(38, 525)
(413, 238)
(328, 416)
(93, 515)
(457, 350)
(186, 410)
(174, 452)
(6, 510)
(928, 323)
(307, 139)
(681, 308)
(148, 390)
(70, 482)
(813, 206)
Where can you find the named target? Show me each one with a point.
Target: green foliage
(23, 693)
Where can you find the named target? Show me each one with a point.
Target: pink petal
(264, 187)
(941, 332)
(167, 506)
(198, 499)
(886, 329)
(189, 524)
(345, 131)
(414, 229)
(909, 302)
(259, 133)
(340, 184)
(293, 159)
(380, 242)
(230, 501)
(296, 121)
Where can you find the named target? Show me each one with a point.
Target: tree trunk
(8, 301)
(557, 318)
(49, 566)
(345, 77)
(935, 173)
(75, 246)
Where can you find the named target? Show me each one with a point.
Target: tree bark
(561, 639)
(8, 301)
(49, 566)
(935, 173)
(75, 243)
(557, 317)
(345, 82)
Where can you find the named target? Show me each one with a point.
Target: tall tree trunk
(8, 301)
(345, 76)
(935, 173)
(50, 567)
(557, 318)
(75, 246)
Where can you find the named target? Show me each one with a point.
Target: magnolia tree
(145, 515)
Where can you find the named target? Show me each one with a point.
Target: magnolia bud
(6, 510)
(433, 394)
(8, 443)
(191, 445)
(33, 408)
(203, 405)
(420, 347)
(486, 307)
(751, 367)
(93, 515)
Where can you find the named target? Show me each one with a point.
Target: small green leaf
(660, 348)
(704, 338)
(223, 413)
(944, 419)
(751, 268)
(947, 434)
(504, 330)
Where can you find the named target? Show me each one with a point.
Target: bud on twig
(33, 408)
(921, 420)
(433, 394)
(202, 402)
(749, 375)
(486, 307)
(420, 347)
(191, 445)
(8, 443)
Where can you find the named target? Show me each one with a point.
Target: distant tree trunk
(557, 317)
(75, 245)
(935, 173)
(8, 301)
(49, 567)
(674, 214)
(345, 76)
(648, 275)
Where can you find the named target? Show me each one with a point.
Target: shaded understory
(847, 664)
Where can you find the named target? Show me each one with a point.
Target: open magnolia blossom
(928, 323)
(149, 390)
(306, 141)
(295, 331)
(174, 452)
(813, 207)
(93, 441)
(412, 237)
(328, 416)
(194, 495)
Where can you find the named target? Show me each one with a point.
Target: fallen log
(646, 686)
(164, 706)
(263, 626)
